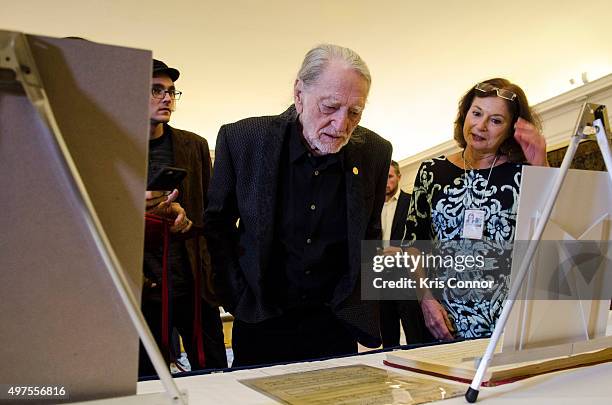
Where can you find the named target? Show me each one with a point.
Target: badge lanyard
(474, 218)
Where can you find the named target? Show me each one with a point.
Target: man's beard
(325, 148)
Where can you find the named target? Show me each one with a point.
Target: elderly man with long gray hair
(306, 187)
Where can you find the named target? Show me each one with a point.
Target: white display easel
(16, 56)
(592, 124)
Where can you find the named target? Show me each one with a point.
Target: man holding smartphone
(177, 292)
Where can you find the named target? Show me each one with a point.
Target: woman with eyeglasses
(498, 133)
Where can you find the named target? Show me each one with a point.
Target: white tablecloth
(588, 385)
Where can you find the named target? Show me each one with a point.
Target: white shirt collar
(396, 195)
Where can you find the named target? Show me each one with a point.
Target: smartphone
(167, 179)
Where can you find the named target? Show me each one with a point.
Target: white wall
(238, 58)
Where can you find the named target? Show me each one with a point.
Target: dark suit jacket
(399, 218)
(244, 186)
(192, 154)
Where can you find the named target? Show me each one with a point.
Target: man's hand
(159, 200)
(158, 203)
(436, 319)
(181, 223)
(177, 214)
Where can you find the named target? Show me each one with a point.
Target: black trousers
(181, 318)
(300, 334)
(409, 314)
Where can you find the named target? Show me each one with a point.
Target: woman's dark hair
(519, 107)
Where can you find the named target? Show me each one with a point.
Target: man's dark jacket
(398, 227)
(244, 188)
(192, 154)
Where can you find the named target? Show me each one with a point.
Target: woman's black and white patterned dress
(442, 192)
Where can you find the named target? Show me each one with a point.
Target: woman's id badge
(473, 224)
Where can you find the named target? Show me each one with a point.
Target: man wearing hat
(177, 292)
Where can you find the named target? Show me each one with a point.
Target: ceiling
(239, 58)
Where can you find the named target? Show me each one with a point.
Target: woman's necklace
(474, 219)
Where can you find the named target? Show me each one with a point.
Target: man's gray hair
(317, 59)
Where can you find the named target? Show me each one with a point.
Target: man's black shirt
(311, 251)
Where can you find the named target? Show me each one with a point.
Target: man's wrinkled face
(330, 109)
(160, 110)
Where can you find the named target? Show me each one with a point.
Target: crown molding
(575, 96)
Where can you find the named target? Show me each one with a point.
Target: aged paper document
(352, 385)
(458, 361)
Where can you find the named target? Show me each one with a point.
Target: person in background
(393, 219)
(186, 301)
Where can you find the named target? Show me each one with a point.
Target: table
(588, 385)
